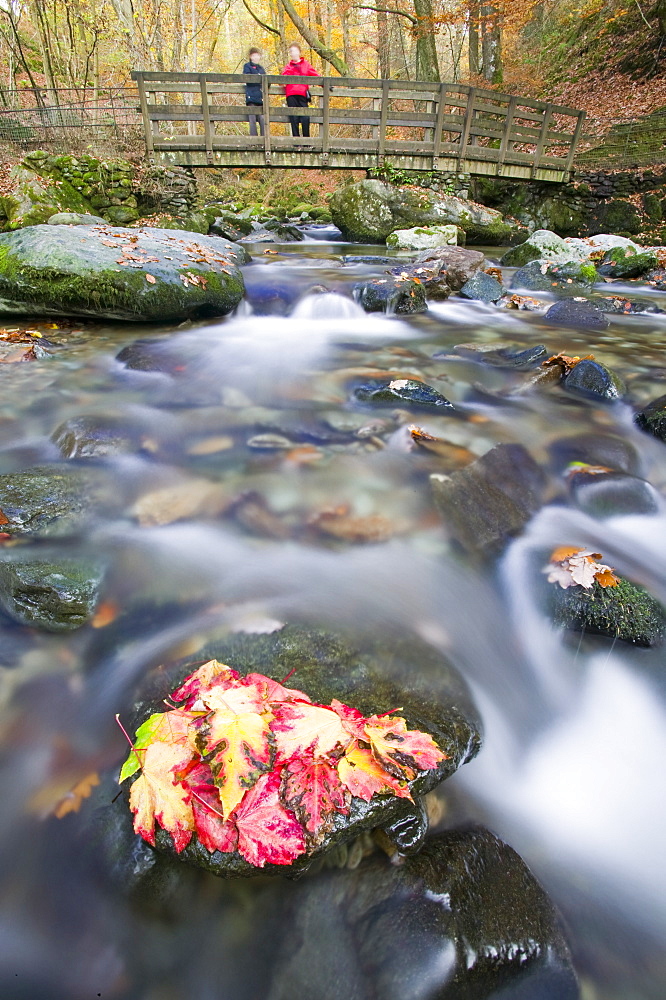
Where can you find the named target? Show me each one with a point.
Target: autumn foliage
(249, 765)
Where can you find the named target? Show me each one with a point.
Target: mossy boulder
(48, 500)
(31, 200)
(370, 675)
(75, 219)
(616, 216)
(370, 210)
(540, 245)
(652, 418)
(143, 275)
(56, 594)
(625, 612)
(391, 295)
(625, 262)
(575, 278)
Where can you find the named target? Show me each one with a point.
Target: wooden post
(467, 124)
(325, 118)
(205, 110)
(382, 123)
(574, 141)
(147, 124)
(267, 118)
(508, 122)
(541, 141)
(439, 127)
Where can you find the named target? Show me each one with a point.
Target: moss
(58, 595)
(625, 612)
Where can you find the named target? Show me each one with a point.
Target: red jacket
(301, 68)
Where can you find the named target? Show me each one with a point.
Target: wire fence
(109, 120)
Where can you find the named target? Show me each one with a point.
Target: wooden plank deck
(200, 120)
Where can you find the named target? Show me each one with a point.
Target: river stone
(652, 418)
(612, 494)
(69, 271)
(445, 269)
(601, 241)
(422, 238)
(402, 296)
(594, 380)
(541, 245)
(463, 920)
(46, 500)
(491, 500)
(577, 315)
(502, 355)
(625, 612)
(371, 675)
(402, 392)
(625, 262)
(482, 287)
(611, 450)
(566, 279)
(220, 227)
(75, 219)
(370, 210)
(57, 595)
(94, 437)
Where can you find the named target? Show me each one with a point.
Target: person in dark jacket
(253, 94)
(298, 94)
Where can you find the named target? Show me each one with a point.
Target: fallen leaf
(364, 776)
(106, 613)
(71, 802)
(151, 279)
(155, 797)
(314, 792)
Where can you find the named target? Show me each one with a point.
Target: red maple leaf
(364, 776)
(313, 790)
(213, 831)
(267, 831)
(191, 687)
(301, 726)
(401, 751)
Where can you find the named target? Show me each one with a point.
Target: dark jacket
(300, 68)
(253, 90)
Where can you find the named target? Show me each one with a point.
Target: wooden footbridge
(200, 119)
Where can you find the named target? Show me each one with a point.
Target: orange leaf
(151, 278)
(364, 776)
(3, 518)
(72, 801)
(564, 552)
(106, 613)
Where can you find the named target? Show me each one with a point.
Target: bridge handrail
(487, 131)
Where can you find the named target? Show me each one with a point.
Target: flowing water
(258, 404)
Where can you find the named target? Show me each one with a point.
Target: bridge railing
(202, 119)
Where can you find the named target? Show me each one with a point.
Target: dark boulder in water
(402, 392)
(595, 381)
(502, 355)
(491, 500)
(610, 450)
(392, 294)
(652, 418)
(610, 494)
(57, 594)
(625, 612)
(482, 287)
(577, 315)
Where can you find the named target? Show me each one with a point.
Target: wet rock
(46, 500)
(373, 676)
(57, 595)
(220, 227)
(594, 380)
(625, 262)
(545, 276)
(402, 392)
(75, 219)
(491, 500)
(370, 210)
(391, 295)
(621, 306)
(514, 356)
(93, 437)
(577, 315)
(482, 287)
(284, 232)
(143, 275)
(652, 418)
(422, 238)
(150, 355)
(450, 267)
(541, 245)
(611, 450)
(464, 916)
(612, 493)
(366, 259)
(625, 612)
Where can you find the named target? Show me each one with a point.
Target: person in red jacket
(298, 94)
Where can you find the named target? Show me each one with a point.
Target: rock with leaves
(243, 772)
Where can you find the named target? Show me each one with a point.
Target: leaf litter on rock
(249, 765)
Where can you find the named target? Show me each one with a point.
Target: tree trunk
(427, 64)
(383, 45)
(660, 12)
(473, 40)
(492, 44)
(328, 55)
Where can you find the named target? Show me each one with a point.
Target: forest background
(605, 57)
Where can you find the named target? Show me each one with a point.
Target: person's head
(295, 53)
(254, 55)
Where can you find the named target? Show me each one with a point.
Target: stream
(249, 489)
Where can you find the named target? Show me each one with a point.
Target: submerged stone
(594, 380)
(577, 315)
(610, 494)
(404, 391)
(58, 594)
(625, 612)
(145, 275)
(93, 437)
(46, 500)
(391, 295)
(491, 500)
(610, 450)
(374, 677)
(504, 355)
